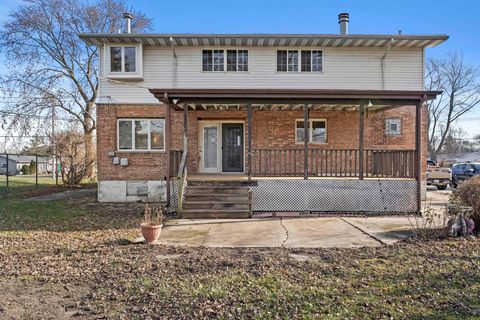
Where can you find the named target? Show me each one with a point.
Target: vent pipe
(343, 19)
(128, 17)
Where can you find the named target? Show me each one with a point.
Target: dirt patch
(22, 299)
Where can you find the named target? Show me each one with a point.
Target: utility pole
(54, 147)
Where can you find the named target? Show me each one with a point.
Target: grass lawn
(73, 258)
(23, 186)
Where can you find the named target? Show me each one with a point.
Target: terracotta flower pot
(151, 233)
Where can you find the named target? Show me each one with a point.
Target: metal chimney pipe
(343, 19)
(128, 16)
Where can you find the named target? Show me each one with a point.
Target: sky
(458, 19)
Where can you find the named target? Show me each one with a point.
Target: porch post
(418, 154)
(305, 141)
(360, 141)
(249, 141)
(167, 150)
(183, 161)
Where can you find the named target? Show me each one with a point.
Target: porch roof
(289, 99)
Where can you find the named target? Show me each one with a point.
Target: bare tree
(461, 93)
(50, 66)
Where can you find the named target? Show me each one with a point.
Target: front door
(210, 147)
(232, 147)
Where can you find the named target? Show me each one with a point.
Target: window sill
(314, 143)
(300, 72)
(140, 151)
(229, 72)
(125, 76)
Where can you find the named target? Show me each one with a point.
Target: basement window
(393, 127)
(141, 134)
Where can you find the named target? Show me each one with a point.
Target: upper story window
(123, 59)
(214, 60)
(141, 134)
(310, 60)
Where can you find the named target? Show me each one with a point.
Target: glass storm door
(210, 148)
(232, 147)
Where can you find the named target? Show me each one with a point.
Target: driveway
(299, 232)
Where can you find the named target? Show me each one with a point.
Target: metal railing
(175, 158)
(285, 162)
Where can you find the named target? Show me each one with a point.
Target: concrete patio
(308, 232)
(296, 232)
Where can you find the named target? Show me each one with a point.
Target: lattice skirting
(335, 195)
(173, 196)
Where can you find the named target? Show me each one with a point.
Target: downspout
(389, 47)
(174, 75)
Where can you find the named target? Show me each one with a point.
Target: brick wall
(270, 129)
(141, 165)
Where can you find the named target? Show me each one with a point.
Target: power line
(24, 136)
(26, 115)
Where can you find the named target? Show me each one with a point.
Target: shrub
(25, 169)
(29, 168)
(468, 194)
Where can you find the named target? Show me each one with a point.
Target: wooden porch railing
(175, 158)
(333, 163)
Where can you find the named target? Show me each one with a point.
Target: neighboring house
(11, 166)
(275, 122)
(44, 164)
(448, 159)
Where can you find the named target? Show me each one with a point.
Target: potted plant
(151, 225)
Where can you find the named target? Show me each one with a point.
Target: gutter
(387, 50)
(174, 71)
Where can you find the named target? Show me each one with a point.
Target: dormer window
(123, 61)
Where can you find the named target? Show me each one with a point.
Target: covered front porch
(266, 138)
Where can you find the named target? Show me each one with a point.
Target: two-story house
(220, 125)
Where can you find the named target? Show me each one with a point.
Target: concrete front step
(216, 205)
(217, 199)
(215, 214)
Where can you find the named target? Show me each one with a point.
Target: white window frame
(225, 56)
(310, 131)
(137, 74)
(299, 53)
(149, 137)
(225, 59)
(388, 122)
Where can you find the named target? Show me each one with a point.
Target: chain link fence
(26, 172)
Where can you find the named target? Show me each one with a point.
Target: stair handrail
(182, 190)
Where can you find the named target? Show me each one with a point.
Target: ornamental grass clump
(468, 194)
(152, 215)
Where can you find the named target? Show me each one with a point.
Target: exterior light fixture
(370, 104)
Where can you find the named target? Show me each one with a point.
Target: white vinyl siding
(343, 68)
